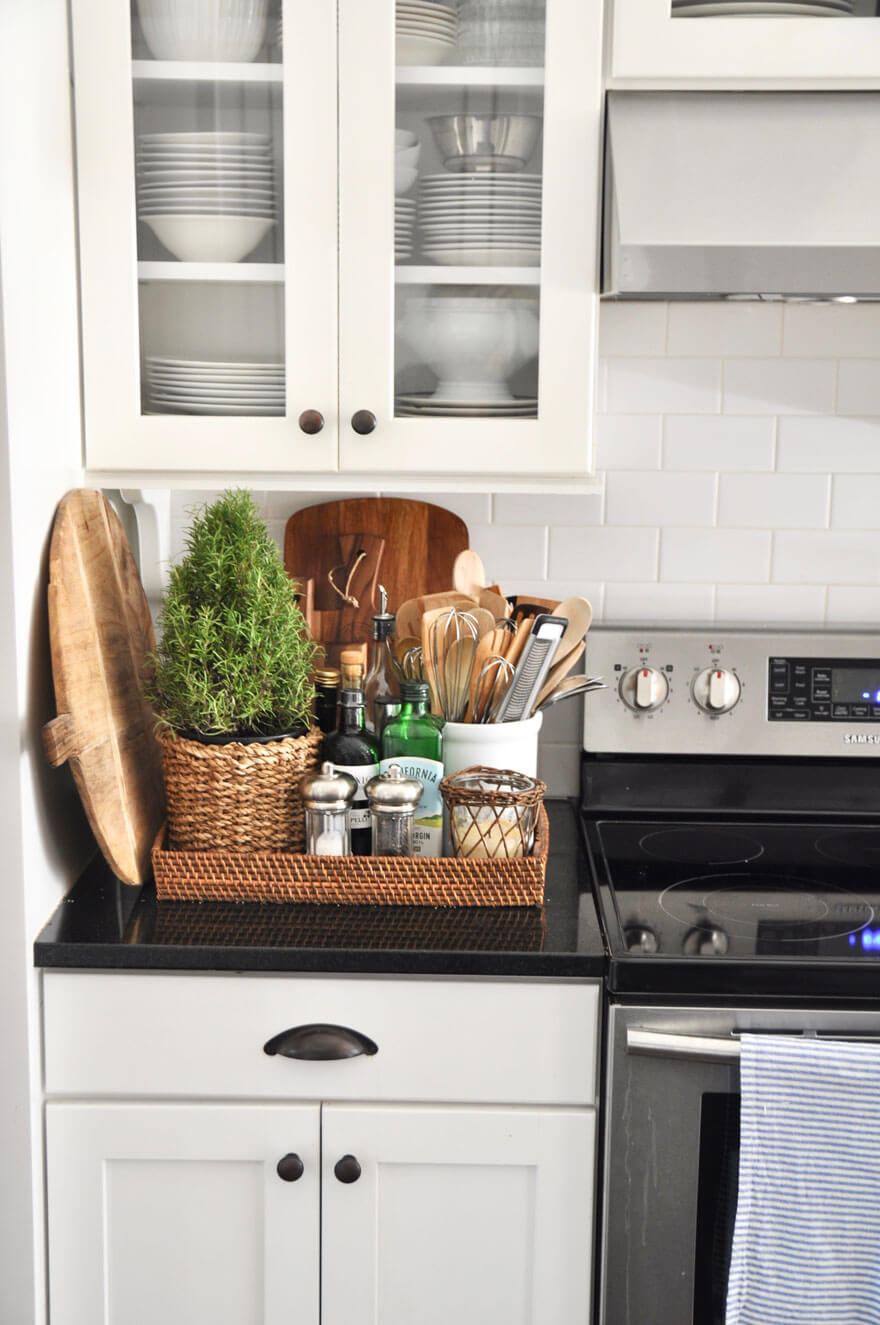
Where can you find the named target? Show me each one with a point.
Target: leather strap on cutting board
(409, 547)
(100, 632)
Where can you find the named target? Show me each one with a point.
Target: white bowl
(407, 156)
(421, 50)
(219, 30)
(209, 238)
(473, 345)
(404, 178)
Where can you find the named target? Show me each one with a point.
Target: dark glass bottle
(327, 698)
(381, 686)
(414, 740)
(354, 750)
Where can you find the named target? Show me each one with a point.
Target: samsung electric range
(731, 806)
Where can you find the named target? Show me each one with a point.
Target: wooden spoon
(410, 613)
(495, 603)
(579, 614)
(515, 643)
(468, 573)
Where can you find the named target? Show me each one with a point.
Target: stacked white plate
(425, 32)
(481, 220)
(521, 407)
(404, 227)
(191, 386)
(208, 197)
(762, 8)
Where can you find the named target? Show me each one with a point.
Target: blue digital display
(869, 939)
(872, 698)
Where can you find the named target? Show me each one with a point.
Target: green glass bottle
(414, 740)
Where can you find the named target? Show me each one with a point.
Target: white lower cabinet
(292, 1206)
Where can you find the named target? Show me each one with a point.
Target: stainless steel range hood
(714, 194)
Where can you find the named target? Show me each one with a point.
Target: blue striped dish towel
(806, 1243)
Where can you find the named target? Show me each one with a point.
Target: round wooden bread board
(100, 633)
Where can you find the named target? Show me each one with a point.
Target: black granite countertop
(105, 924)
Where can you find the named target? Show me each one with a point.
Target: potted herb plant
(231, 683)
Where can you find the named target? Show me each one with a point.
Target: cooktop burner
(699, 845)
(744, 904)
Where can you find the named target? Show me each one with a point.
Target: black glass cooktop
(764, 905)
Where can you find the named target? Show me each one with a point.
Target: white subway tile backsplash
(858, 389)
(633, 498)
(627, 328)
(832, 331)
(826, 444)
(773, 501)
(760, 603)
(724, 329)
(778, 386)
(855, 501)
(657, 603)
(830, 557)
(716, 556)
(627, 441)
(604, 553)
(509, 551)
(662, 386)
(717, 441)
(551, 508)
(854, 605)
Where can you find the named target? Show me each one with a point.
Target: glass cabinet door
(207, 179)
(469, 184)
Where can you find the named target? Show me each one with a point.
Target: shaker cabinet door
(456, 1215)
(177, 1214)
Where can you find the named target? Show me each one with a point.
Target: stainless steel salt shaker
(393, 799)
(327, 797)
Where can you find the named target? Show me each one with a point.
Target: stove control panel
(733, 690)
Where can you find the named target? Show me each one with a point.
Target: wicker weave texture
(266, 876)
(236, 798)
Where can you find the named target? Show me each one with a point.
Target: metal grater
(532, 668)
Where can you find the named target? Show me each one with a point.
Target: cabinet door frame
(82, 1139)
(649, 48)
(118, 437)
(556, 1147)
(558, 442)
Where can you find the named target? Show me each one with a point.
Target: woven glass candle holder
(492, 812)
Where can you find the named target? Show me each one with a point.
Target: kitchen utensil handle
(311, 421)
(363, 421)
(320, 1042)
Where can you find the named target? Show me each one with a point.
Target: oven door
(672, 1154)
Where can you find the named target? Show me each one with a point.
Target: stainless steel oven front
(671, 1152)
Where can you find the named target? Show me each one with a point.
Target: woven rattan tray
(276, 876)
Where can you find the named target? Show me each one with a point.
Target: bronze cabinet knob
(311, 421)
(363, 422)
(289, 1167)
(347, 1169)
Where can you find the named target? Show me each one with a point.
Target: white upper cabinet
(363, 244)
(821, 44)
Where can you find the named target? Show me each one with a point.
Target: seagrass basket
(238, 797)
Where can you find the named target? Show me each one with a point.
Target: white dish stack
(189, 386)
(208, 197)
(481, 220)
(425, 33)
(762, 8)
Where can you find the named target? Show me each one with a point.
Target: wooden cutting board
(100, 632)
(410, 547)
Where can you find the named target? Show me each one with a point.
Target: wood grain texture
(100, 632)
(419, 544)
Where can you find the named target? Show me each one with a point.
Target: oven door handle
(668, 1044)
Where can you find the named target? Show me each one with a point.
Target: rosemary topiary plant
(235, 656)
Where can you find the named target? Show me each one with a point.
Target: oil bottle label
(428, 821)
(360, 807)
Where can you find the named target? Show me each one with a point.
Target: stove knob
(716, 690)
(641, 940)
(705, 943)
(643, 689)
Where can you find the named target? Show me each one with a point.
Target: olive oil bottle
(414, 740)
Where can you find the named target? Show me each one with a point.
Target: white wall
(42, 827)
(740, 449)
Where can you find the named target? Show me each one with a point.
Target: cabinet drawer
(151, 1034)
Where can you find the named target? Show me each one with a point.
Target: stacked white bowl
(425, 32)
(406, 157)
(190, 386)
(207, 196)
(473, 343)
(203, 29)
